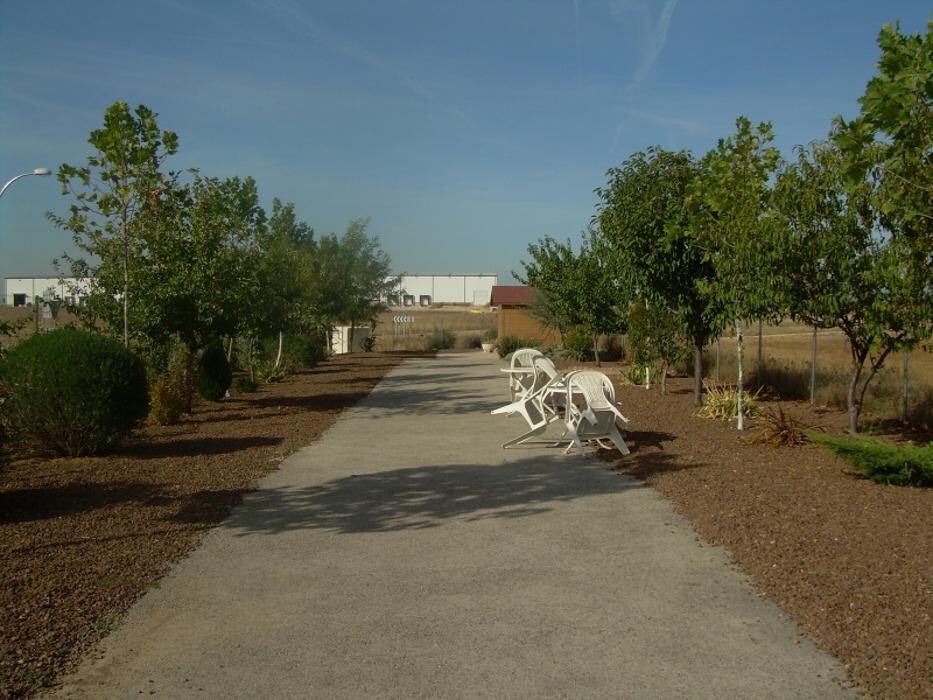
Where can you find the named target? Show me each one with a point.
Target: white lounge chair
(521, 372)
(540, 403)
(593, 419)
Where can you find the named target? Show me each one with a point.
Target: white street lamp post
(38, 171)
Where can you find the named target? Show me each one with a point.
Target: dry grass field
(469, 323)
(786, 351)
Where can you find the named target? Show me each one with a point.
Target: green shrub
(509, 344)
(611, 348)
(168, 391)
(369, 342)
(72, 392)
(214, 374)
(245, 385)
(441, 340)
(2, 442)
(469, 340)
(901, 465)
(490, 335)
(579, 344)
(318, 349)
(298, 351)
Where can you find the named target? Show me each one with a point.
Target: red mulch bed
(82, 539)
(850, 560)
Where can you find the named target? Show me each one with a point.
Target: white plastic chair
(521, 371)
(541, 403)
(594, 419)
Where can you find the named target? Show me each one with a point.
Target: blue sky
(465, 129)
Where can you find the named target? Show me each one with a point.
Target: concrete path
(406, 555)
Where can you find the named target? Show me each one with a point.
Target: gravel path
(405, 554)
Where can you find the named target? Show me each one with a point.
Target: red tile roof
(512, 295)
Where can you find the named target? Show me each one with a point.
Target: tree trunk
(663, 378)
(851, 400)
(760, 348)
(350, 336)
(697, 374)
(278, 355)
(596, 349)
(718, 349)
(189, 378)
(249, 359)
(230, 350)
(126, 293)
(739, 351)
(647, 377)
(905, 399)
(813, 369)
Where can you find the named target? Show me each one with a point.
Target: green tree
(551, 273)
(600, 298)
(646, 222)
(346, 277)
(575, 289)
(116, 196)
(842, 270)
(891, 141)
(656, 338)
(367, 275)
(285, 250)
(201, 268)
(731, 198)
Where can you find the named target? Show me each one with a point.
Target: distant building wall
(517, 322)
(418, 290)
(22, 291)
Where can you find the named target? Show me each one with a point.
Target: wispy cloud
(343, 46)
(661, 120)
(638, 17)
(576, 32)
(670, 123)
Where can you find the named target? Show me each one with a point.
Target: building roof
(512, 295)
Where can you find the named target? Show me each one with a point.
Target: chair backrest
(594, 387)
(524, 357)
(544, 365)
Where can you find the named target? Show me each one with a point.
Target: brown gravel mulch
(850, 560)
(82, 539)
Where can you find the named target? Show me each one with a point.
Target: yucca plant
(722, 402)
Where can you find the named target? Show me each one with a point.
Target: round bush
(579, 344)
(509, 344)
(441, 340)
(72, 392)
(214, 374)
(245, 385)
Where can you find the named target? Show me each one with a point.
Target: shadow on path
(424, 497)
(193, 447)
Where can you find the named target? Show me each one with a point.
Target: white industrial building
(424, 290)
(22, 291)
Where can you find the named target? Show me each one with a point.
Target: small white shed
(340, 339)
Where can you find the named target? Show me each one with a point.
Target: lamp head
(41, 171)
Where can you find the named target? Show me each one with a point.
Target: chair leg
(524, 436)
(617, 440)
